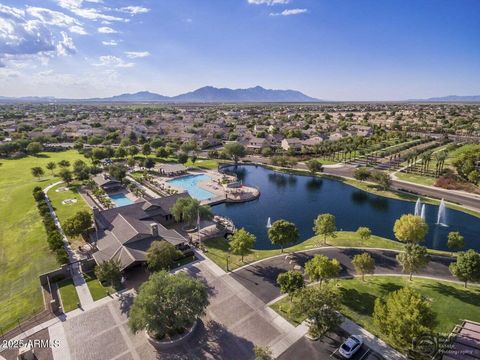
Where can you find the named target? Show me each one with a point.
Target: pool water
(120, 199)
(190, 184)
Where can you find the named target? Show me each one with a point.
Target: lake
(299, 199)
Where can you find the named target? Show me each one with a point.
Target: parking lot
(325, 348)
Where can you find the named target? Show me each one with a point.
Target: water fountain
(422, 213)
(418, 206)
(442, 216)
(269, 223)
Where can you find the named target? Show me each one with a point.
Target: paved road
(260, 278)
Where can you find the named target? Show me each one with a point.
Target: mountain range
(450, 98)
(207, 94)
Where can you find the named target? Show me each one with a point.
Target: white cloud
(77, 30)
(20, 35)
(106, 30)
(110, 43)
(51, 17)
(66, 45)
(75, 6)
(289, 12)
(137, 54)
(268, 2)
(113, 61)
(134, 10)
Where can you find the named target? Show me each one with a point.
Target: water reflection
(300, 198)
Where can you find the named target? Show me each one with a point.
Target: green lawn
(97, 290)
(69, 295)
(451, 302)
(21, 233)
(65, 211)
(417, 179)
(203, 164)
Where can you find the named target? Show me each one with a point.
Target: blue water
(300, 199)
(189, 183)
(120, 200)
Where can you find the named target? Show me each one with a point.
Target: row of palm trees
(425, 159)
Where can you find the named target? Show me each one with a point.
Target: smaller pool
(120, 199)
(189, 183)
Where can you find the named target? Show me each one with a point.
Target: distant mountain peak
(451, 98)
(204, 94)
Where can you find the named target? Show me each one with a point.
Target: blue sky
(335, 50)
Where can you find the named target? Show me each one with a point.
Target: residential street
(260, 278)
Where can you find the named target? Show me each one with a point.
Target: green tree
(109, 273)
(314, 166)
(118, 171)
(362, 174)
(132, 150)
(167, 303)
(320, 268)
(320, 305)
(146, 149)
(241, 242)
(290, 282)
(34, 148)
(161, 255)
(66, 175)
(283, 233)
(364, 232)
(37, 171)
(188, 209)
(182, 158)
(120, 152)
(262, 353)
(363, 264)
(403, 315)
(234, 151)
(455, 240)
(64, 163)
(383, 179)
(325, 225)
(410, 228)
(467, 266)
(413, 259)
(78, 224)
(51, 166)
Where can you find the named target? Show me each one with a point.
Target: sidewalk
(78, 280)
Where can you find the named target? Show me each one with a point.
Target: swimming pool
(189, 183)
(120, 199)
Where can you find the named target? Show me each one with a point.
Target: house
(292, 144)
(106, 182)
(361, 130)
(315, 140)
(125, 233)
(256, 144)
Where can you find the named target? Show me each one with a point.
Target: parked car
(350, 346)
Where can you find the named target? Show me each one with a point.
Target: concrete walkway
(78, 280)
(145, 189)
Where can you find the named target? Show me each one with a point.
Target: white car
(350, 346)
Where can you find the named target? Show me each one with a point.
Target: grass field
(417, 179)
(97, 290)
(69, 295)
(22, 233)
(451, 302)
(65, 211)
